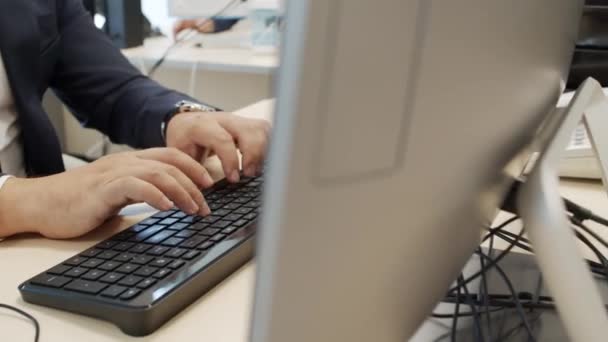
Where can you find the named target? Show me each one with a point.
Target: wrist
(16, 215)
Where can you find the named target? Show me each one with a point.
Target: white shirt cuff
(3, 180)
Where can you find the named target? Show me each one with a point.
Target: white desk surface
(221, 315)
(223, 59)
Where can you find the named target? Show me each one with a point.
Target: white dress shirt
(11, 149)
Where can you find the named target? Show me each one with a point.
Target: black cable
(455, 320)
(463, 314)
(492, 262)
(28, 316)
(478, 331)
(162, 59)
(587, 230)
(483, 290)
(516, 301)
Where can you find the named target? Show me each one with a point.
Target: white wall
(157, 11)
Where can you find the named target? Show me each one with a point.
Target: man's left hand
(202, 133)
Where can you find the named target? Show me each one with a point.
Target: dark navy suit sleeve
(221, 24)
(102, 88)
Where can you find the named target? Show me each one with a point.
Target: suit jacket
(53, 43)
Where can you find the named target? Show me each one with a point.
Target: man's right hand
(75, 202)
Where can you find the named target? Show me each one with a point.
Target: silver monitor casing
(396, 126)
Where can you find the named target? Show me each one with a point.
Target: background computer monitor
(390, 151)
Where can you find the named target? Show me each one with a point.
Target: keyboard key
(75, 261)
(109, 265)
(130, 294)
(221, 224)
(158, 238)
(50, 280)
(179, 214)
(243, 210)
(232, 206)
(241, 200)
(185, 233)
(124, 235)
(107, 255)
(176, 252)
(140, 248)
(199, 226)
(168, 221)
(191, 255)
(218, 237)
(158, 250)
(59, 269)
(210, 219)
(123, 246)
(250, 216)
(215, 206)
(111, 277)
(138, 228)
(191, 219)
(240, 223)
(232, 217)
(162, 273)
(146, 271)
(161, 262)
(106, 244)
(210, 231)
(176, 264)
(178, 226)
(124, 257)
(163, 214)
(221, 212)
(127, 268)
(193, 242)
(92, 263)
(172, 241)
(141, 236)
(85, 286)
(93, 275)
(149, 221)
(205, 245)
(142, 259)
(113, 291)
(230, 229)
(76, 272)
(130, 280)
(90, 253)
(144, 284)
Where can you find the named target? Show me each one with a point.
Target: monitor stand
(542, 210)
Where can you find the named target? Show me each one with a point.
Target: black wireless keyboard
(141, 277)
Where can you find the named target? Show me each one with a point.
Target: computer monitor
(396, 122)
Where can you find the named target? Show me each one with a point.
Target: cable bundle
(527, 306)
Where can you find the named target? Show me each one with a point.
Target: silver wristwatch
(183, 107)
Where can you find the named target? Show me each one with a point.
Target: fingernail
(193, 208)
(167, 204)
(209, 180)
(250, 170)
(234, 176)
(205, 210)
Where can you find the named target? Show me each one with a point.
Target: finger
(194, 170)
(134, 190)
(252, 140)
(194, 191)
(253, 147)
(209, 133)
(170, 187)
